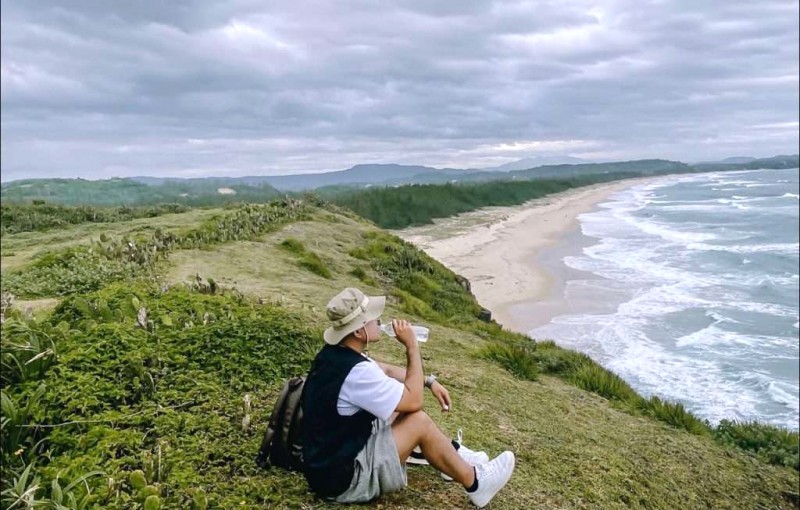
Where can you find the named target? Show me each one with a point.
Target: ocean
(689, 291)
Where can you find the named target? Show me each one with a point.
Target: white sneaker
(472, 457)
(492, 476)
(417, 458)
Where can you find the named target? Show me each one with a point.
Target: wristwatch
(430, 380)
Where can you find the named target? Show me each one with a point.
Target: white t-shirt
(368, 387)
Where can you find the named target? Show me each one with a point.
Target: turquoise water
(695, 285)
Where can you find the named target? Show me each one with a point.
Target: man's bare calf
(417, 428)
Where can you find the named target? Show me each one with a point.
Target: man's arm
(399, 374)
(393, 371)
(411, 400)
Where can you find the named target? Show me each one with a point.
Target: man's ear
(357, 333)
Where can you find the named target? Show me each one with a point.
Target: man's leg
(412, 429)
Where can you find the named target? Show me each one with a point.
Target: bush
(592, 377)
(86, 269)
(771, 444)
(313, 263)
(515, 359)
(74, 271)
(555, 360)
(358, 272)
(293, 245)
(415, 306)
(28, 349)
(672, 413)
(362, 275)
(163, 394)
(424, 285)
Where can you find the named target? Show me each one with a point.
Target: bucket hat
(350, 310)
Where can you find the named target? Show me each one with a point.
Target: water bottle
(421, 332)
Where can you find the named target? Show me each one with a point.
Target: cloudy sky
(100, 88)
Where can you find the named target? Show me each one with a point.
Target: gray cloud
(99, 89)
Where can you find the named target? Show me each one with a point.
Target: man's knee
(420, 421)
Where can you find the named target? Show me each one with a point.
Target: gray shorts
(378, 467)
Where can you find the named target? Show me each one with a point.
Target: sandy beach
(499, 249)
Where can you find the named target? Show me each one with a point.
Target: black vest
(331, 441)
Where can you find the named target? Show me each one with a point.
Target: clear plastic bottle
(421, 332)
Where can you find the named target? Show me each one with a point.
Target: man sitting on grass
(363, 419)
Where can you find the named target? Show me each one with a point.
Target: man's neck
(354, 344)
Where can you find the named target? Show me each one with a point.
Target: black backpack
(282, 445)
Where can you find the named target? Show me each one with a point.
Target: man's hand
(441, 394)
(404, 333)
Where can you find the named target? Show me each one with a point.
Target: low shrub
(592, 377)
(28, 348)
(313, 263)
(552, 359)
(86, 269)
(772, 444)
(672, 413)
(293, 245)
(437, 294)
(156, 384)
(71, 272)
(358, 272)
(515, 359)
(414, 305)
(362, 275)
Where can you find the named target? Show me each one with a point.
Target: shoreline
(511, 255)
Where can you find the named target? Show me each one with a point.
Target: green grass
(362, 275)
(313, 263)
(592, 377)
(20, 249)
(671, 413)
(307, 259)
(293, 246)
(513, 358)
(772, 444)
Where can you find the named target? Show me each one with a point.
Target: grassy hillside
(117, 191)
(150, 370)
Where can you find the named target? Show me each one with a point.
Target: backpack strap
(262, 460)
(294, 435)
(280, 451)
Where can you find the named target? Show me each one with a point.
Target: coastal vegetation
(40, 216)
(134, 390)
(117, 192)
(419, 204)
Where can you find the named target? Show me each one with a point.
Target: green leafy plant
(313, 263)
(772, 444)
(18, 437)
(362, 275)
(592, 377)
(21, 492)
(72, 496)
(28, 349)
(515, 359)
(293, 245)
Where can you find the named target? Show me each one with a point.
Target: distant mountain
(359, 174)
(734, 160)
(527, 163)
(392, 174)
(220, 190)
(781, 161)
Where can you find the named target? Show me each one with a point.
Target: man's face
(373, 330)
